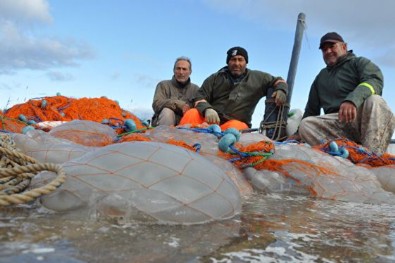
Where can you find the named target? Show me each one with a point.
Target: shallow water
(274, 228)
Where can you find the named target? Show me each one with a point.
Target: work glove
(211, 116)
(279, 97)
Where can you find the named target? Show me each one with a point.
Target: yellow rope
(22, 173)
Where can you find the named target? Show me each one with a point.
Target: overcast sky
(121, 49)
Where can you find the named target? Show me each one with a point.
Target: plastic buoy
(226, 141)
(27, 128)
(214, 128)
(333, 146)
(145, 123)
(43, 104)
(22, 117)
(343, 152)
(233, 131)
(130, 125)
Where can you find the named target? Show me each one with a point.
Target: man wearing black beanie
(229, 96)
(237, 51)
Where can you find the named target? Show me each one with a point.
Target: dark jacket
(351, 79)
(236, 99)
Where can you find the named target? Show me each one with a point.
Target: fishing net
(336, 170)
(87, 133)
(147, 181)
(61, 108)
(10, 124)
(16, 172)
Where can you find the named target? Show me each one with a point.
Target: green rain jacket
(236, 100)
(351, 79)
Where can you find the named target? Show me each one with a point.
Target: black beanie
(234, 51)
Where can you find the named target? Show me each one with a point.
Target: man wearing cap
(349, 91)
(229, 96)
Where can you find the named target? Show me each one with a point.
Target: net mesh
(285, 167)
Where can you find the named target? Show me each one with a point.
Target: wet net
(109, 159)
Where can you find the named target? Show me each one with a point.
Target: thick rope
(28, 172)
(277, 125)
(18, 174)
(16, 155)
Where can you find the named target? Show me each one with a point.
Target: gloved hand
(211, 116)
(279, 97)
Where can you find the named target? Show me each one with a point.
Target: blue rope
(242, 155)
(203, 130)
(197, 147)
(233, 149)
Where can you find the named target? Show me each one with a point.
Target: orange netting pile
(104, 110)
(61, 108)
(11, 125)
(358, 154)
(260, 152)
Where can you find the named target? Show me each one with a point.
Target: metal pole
(271, 110)
(295, 55)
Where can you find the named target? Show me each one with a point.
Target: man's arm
(370, 81)
(162, 98)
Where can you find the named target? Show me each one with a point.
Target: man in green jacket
(349, 91)
(229, 96)
(174, 97)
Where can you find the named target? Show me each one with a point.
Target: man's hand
(179, 104)
(347, 112)
(211, 116)
(279, 97)
(185, 108)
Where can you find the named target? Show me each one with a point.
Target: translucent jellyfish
(147, 181)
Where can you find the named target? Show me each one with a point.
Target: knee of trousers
(167, 117)
(373, 100)
(305, 124)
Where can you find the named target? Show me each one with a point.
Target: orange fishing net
(359, 155)
(181, 144)
(11, 125)
(256, 155)
(61, 108)
(133, 137)
(104, 110)
(256, 148)
(85, 138)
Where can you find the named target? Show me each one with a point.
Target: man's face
(237, 65)
(182, 71)
(331, 52)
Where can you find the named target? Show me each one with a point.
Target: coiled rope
(278, 125)
(16, 172)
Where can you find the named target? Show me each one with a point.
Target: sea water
(270, 228)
